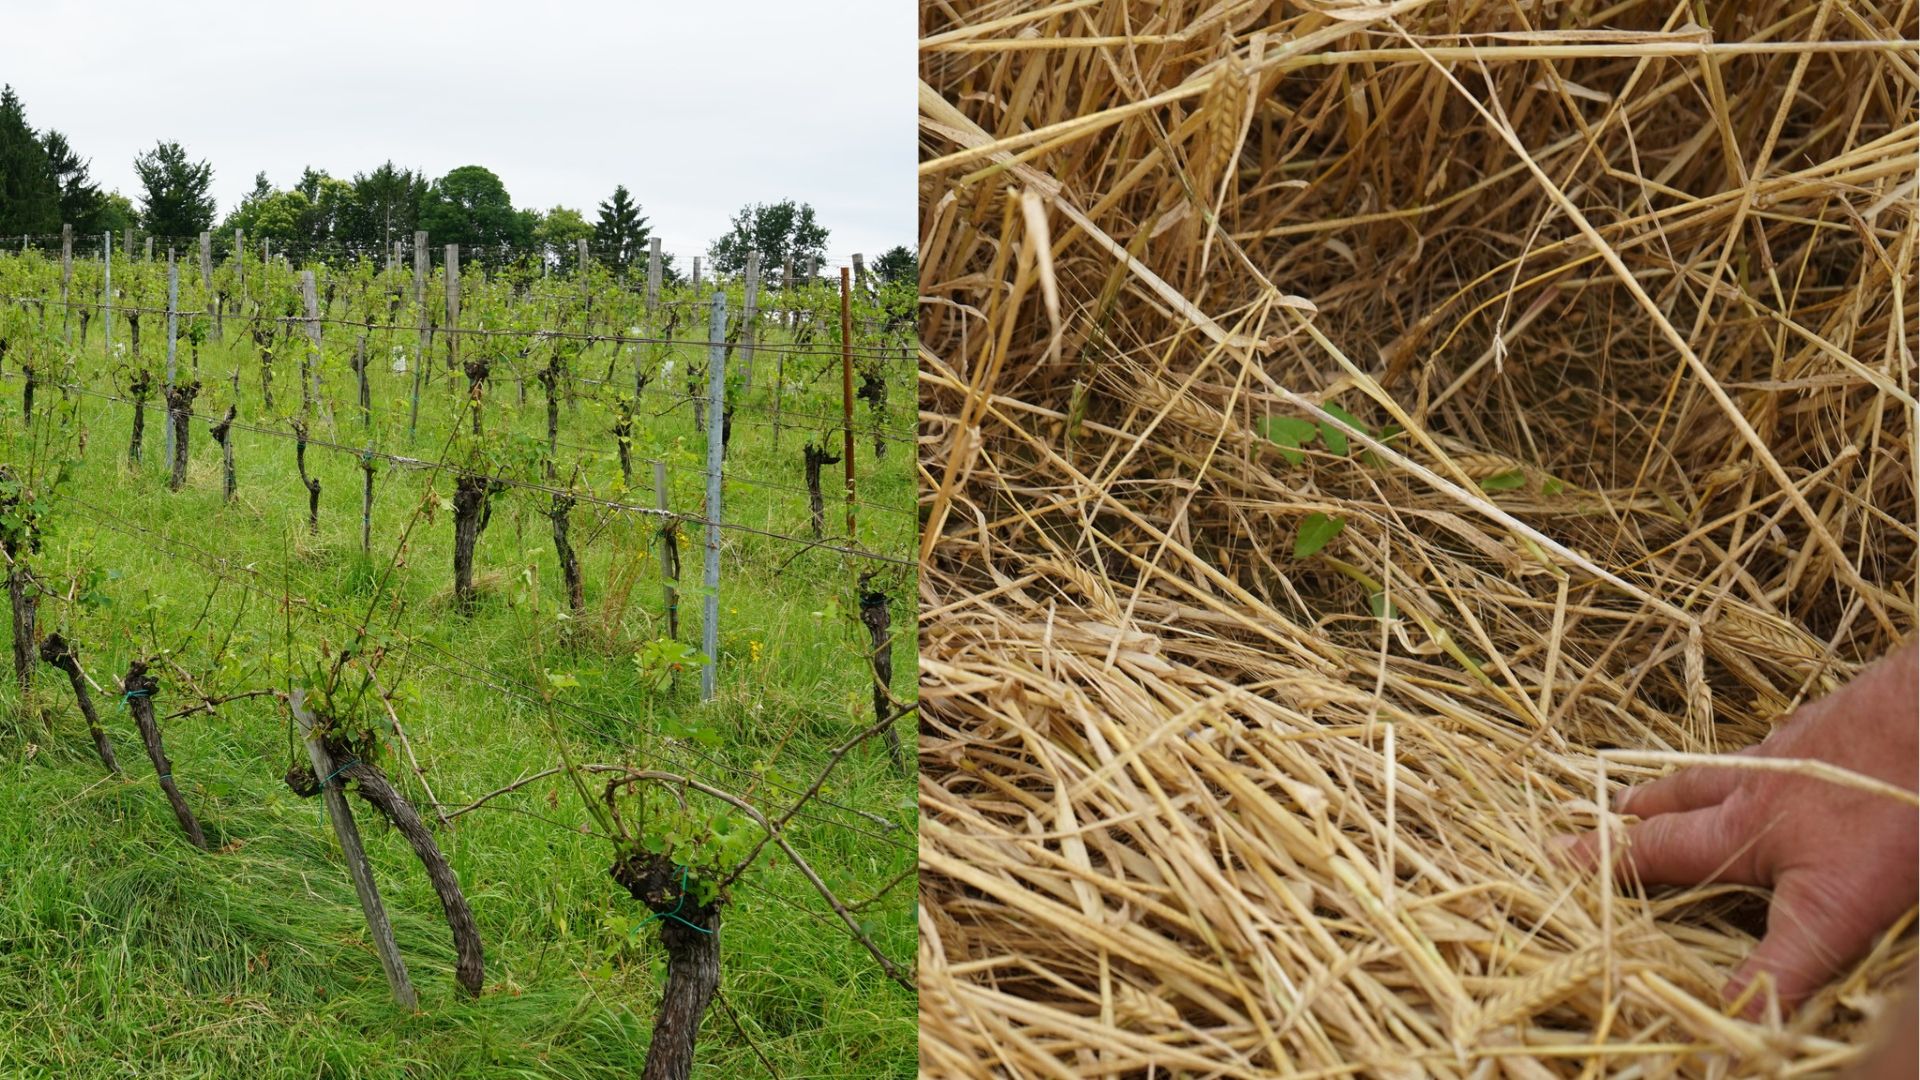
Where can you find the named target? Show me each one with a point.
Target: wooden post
(750, 328)
(360, 370)
(787, 298)
(582, 264)
(653, 274)
(334, 795)
(859, 272)
(696, 277)
(173, 316)
(420, 272)
(106, 289)
(310, 367)
(453, 305)
(126, 244)
(66, 282)
(846, 386)
(366, 500)
(716, 453)
(669, 550)
(206, 278)
(240, 264)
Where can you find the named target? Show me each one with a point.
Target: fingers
(1805, 945)
(1687, 848)
(1687, 789)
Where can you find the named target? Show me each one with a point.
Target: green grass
(125, 952)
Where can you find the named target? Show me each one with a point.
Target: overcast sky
(698, 107)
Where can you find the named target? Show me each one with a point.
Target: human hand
(1840, 861)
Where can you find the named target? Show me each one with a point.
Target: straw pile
(1638, 293)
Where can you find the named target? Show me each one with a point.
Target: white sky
(698, 107)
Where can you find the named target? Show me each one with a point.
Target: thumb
(1805, 946)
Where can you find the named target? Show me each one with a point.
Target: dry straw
(1633, 282)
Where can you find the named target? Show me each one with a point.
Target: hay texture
(1249, 720)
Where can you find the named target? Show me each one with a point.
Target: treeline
(44, 184)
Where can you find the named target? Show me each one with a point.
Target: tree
(559, 233)
(899, 263)
(81, 200)
(267, 214)
(386, 204)
(116, 214)
(329, 207)
(776, 230)
(469, 206)
(622, 235)
(176, 202)
(29, 191)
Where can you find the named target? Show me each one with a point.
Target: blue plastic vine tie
(350, 763)
(126, 699)
(675, 913)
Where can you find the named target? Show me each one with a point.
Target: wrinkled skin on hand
(1840, 861)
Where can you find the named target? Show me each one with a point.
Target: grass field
(126, 952)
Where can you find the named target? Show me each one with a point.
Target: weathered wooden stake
(360, 372)
(334, 795)
(173, 342)
(469, 970)
(653, 274)
(310, 365)
(846, 383)
(453, 306)
(366, 501)
(716, 454)
(420, 272)
(750, 316)
(206, 280)
(66, 283)
(106, 290)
